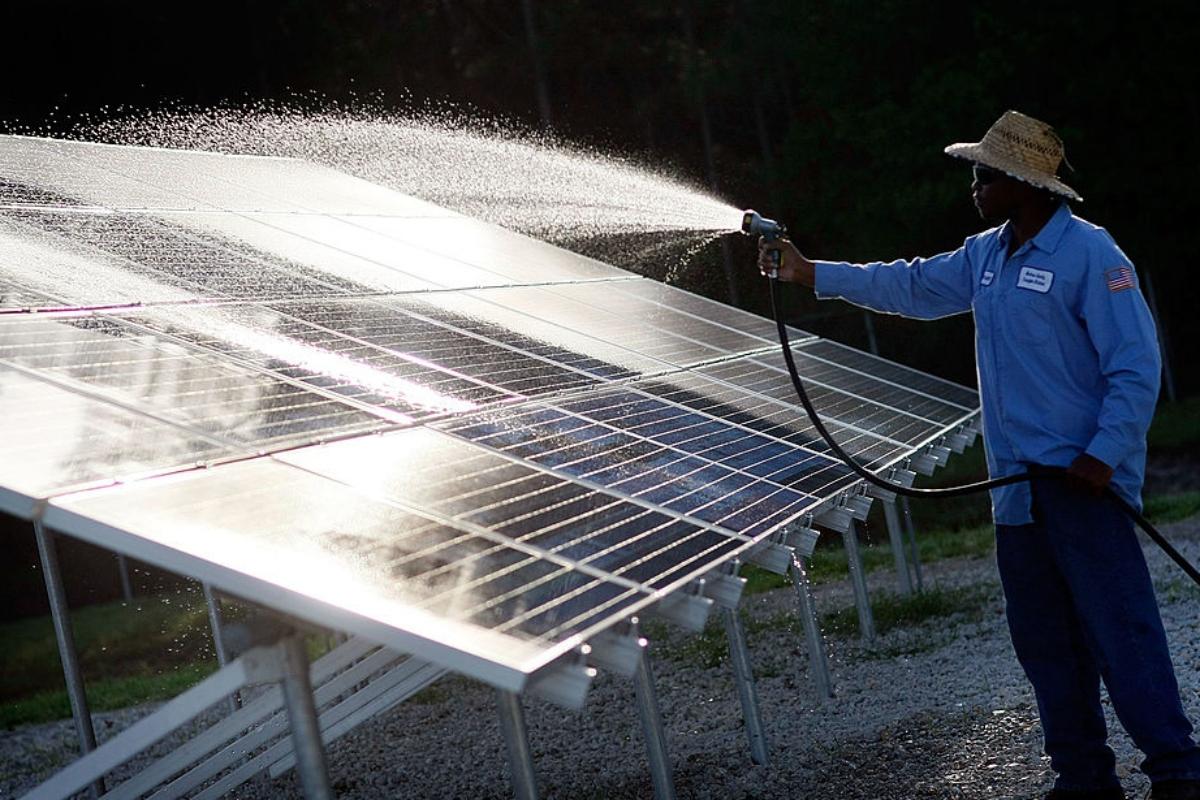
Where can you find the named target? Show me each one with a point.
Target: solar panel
(447, 437)
(407, 532)
(764, 377)
(568, 307)
(111, 359)
(57, 440)
(774, 417)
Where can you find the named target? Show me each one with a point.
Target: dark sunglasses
(985, 175)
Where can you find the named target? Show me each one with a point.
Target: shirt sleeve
(1122, 330)
(925, 288)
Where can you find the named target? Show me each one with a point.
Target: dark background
(830, 116)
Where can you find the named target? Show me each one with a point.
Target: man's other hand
(792, 265)
(1090, 475)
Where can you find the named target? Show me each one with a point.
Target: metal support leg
(744, 678)
(126, 584)
(302, 717)
(817, 659)
(61, 615)
(896, 537)
(858, 579)
(914, 554)
(217, 623)
(652, 727)
(516, 738)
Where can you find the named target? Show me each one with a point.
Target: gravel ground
(936, 710)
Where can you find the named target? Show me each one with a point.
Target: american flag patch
(1119, 279)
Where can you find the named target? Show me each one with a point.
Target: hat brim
(979, 153)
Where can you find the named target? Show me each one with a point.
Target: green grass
(894, 611)
(105, 694)
(1176, 426)
(1166, 508)
(150, 635)
(710, 647)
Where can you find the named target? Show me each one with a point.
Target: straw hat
(1021, 147)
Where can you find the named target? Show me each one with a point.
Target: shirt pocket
(1029, 317)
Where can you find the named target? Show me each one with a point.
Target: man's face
(997, 196)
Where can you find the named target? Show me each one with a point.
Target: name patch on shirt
(1034, 279)
(988, 275)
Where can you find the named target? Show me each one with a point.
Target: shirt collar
(1049, 236)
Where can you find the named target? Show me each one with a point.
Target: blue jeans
(1081, 607)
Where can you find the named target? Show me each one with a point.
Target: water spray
(769, 230)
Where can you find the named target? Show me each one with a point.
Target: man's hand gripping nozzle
(754, 224)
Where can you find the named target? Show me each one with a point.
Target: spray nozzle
(755, 224)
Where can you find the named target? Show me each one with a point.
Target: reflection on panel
(14, 192)
(697, 306)
(55, 439)
(349, 250)
(155, 251)
(84, 172)
(775, 418)
(548, 512)
(70, 273)
(392, 384)
(511, 256)
(399, 567)
(142, 178)
(356, 326)
(15, 296)
(772, 381)
(608, 325)
(551, 342)
(612, 298)
(661, 454)
(894, 373)
(150, 373)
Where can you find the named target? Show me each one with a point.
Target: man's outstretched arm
(925, 288)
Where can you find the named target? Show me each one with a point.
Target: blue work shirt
(1066, 350)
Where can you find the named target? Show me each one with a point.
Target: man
(1068, 376)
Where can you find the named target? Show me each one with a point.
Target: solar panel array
(325, 396)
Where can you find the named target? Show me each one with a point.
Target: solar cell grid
(56, 440)
(344, 246)
(16, 193)
(144, 371)
(259, 521)
(724, 441)
(820, 372)
(710, 310)
(389, 328)
(542, 339)
(511, 256)
(168, 254)
(544, 511)
(337, 364)
(85, 172)
(645, 449)
(837, 405)
(623, 330)
(613, 298)
(14, 296)
(769, 416)
(67, 273)
(890, 371)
